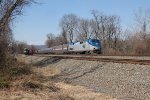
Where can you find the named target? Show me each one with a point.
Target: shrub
(32, 85)
(17, 71)
(4, 83)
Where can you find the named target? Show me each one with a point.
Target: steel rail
(88, 58)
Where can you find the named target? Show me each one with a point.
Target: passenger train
(85, 47)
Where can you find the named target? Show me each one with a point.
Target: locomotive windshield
(95, 40)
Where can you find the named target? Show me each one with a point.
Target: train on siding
(89, 46)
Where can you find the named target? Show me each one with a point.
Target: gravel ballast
(122, 81)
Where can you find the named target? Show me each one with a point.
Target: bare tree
(84, 29)
(50, 40)
(9, 9)
(112, 30)
(68, 24)
(54, 40)
(99, 21)
(106, 28)
(139, 42)
(59, 40)
(19, 46)
(64, 36)
(142, 18)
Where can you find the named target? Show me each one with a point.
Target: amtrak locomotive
(86, 47)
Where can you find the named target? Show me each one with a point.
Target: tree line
(101, 27)
(108, 29)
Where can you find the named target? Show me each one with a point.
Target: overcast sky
(39, 20)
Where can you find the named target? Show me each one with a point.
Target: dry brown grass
(25, 84)
(38, 86)
(47, 71)
(33, 87)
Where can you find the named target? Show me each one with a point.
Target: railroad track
(95, 58)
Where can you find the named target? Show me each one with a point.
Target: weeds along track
(116, 59)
